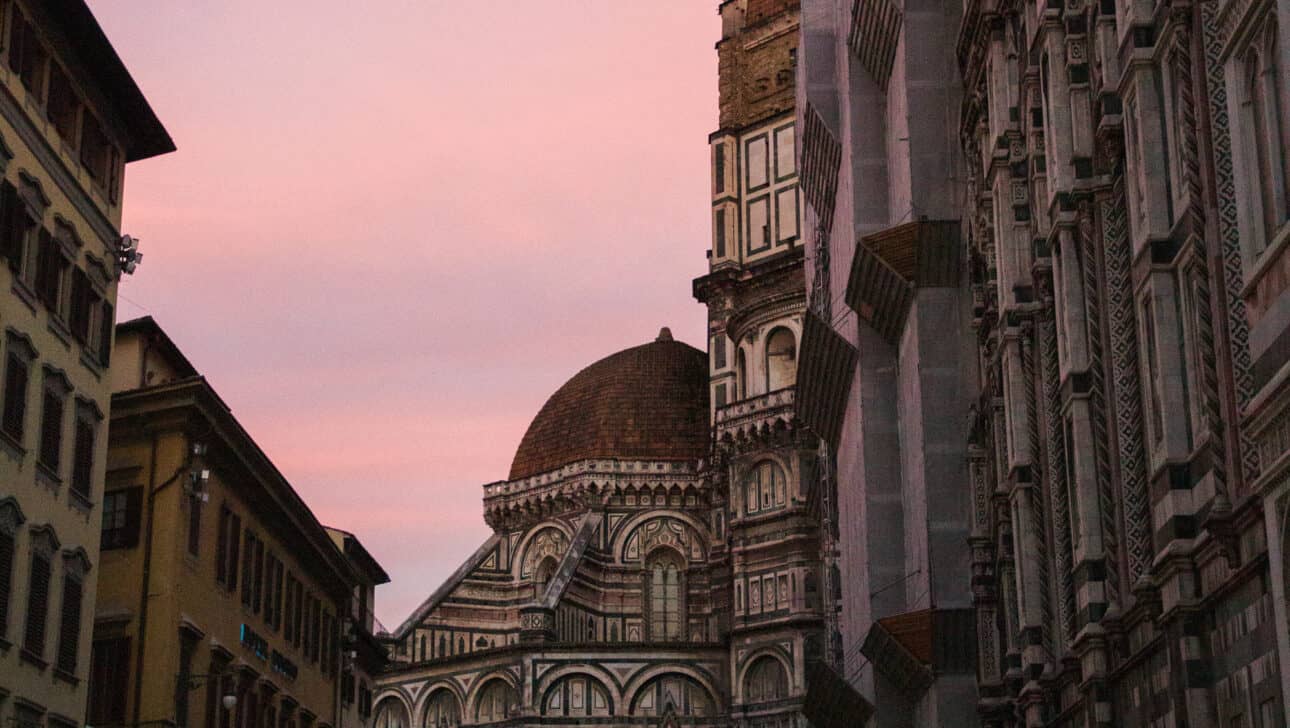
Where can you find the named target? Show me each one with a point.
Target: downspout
(153, 489)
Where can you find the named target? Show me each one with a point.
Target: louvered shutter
(235, 541)
(221, 546)
(51, 431)
(83, 458)
(6, 579)
(69, 632)
(133, 513)
(37, 606)
(107, 324)
(80, 313)
(10, 226)
(15, 396)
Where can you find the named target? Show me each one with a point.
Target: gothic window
(781, 359)
(391, 714)
(681, 695)
(442, 710)
(765, 681)
(741, 375)
(577, 696)
(765, 488)
(495, 702)
(542, 576)
(665, 585)
(1072, 485)
(1150, 379)
(1261, 138)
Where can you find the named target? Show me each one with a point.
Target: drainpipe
(149, 508)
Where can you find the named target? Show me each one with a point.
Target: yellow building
(221, 598)
(70, 119)
(364, 655)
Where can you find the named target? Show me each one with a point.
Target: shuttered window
(81, 307)
(16, 378)
(248, 568)
(50, 265)
(51, 429)
(234, 549)
(6, 579)
(107, 324)
(69, 630)
(12, 226)
(109, 681)
(37, 605)
(83, 458)
(194, 524)
(221, 546)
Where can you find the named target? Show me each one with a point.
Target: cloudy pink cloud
(392, 229)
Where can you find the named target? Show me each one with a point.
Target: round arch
(631, 692)
(391, 711)
(780, 352)
(596, 672)
(521, 553)
(471, 705)
(557, 682)
(758, 659)
(429, 690)
(630, 525)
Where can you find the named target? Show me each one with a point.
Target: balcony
(755, 413)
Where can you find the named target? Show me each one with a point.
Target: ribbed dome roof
(648, 402)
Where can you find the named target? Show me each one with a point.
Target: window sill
(80, 501)
(66, 676)
(32, 659)
(1263, 262)
(24, 292)
(89, 362)
(48, 477)
(12, 446)
(59, 330)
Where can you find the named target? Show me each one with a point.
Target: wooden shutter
(221, 546)
(83, 458)
(51, 431)
(37, 606)
(133, 514)
(234, 548)
(107, 324)
(248, 567)
(11, 226)
(6, 579)
(15, 396)
(47, 270)
(69, 633)
(79, 320)
(109, 680)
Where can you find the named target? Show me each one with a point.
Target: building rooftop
(148, 137)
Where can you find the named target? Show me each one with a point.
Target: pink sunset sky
(393, 229)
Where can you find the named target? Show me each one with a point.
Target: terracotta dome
(648, 402)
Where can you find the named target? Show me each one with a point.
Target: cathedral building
(656, 547)
(1124, 219)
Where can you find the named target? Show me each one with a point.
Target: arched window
(442, 710)
(577, 695)
(781, 359)
(765, 681)
(495, 702)
(1261, 128)
(665, 586)
(765, 487)
(542, 576)
(678, 693)
(391, 713)
(741, 375)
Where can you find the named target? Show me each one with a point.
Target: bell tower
(764, 464)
